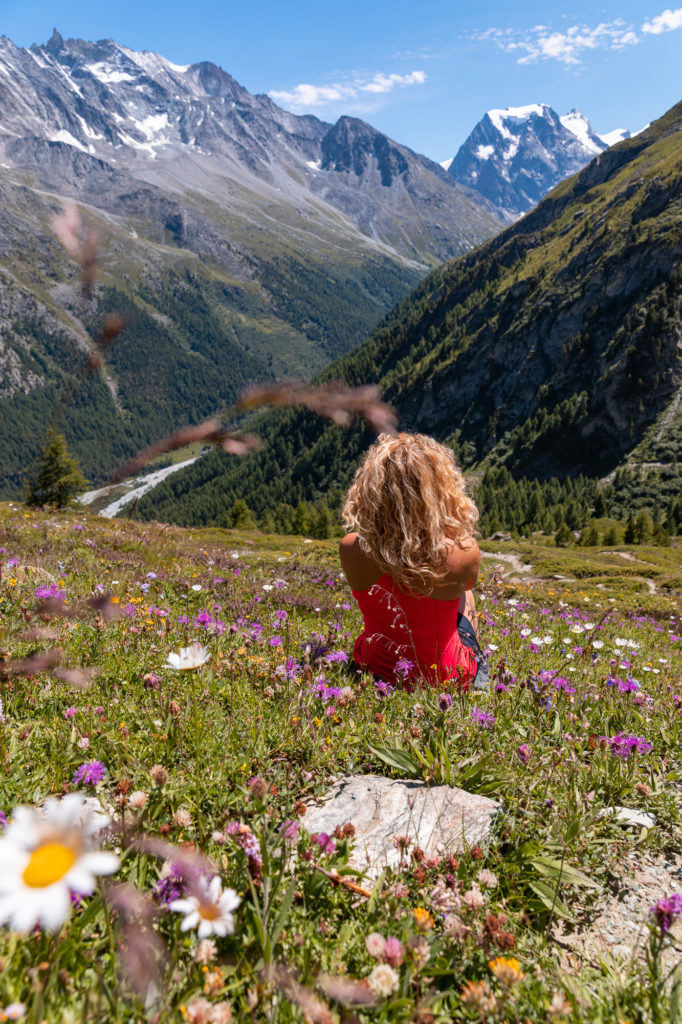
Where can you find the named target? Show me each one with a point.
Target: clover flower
(46, 855)
(383, 981)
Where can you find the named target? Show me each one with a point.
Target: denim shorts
(467, 635)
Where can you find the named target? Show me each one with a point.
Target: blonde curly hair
(407, 501)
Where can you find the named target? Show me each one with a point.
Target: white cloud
(568, 47)
(307, 95)
(667, 21)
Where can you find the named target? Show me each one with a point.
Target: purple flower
(383, 688)
(666, 910)
(90, 773)
(3, 819)
(623, 745)
(281, 615)
(183, 620)
(70, 713)
(563, 685)
(403, 667)
(324, 841)
(523, 753)
(484, 718)
(444, 701)
(339, 656)
(172, 886)
(289, 830)
(47, 592)
(291, 669)
(275, 641)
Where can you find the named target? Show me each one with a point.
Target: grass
(245, 740)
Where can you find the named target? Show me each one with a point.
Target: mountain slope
(514, 157)
(243, 242)
(554, 349)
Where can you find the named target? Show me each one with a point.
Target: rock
(438, 819)
(500, 535)
(628, 816)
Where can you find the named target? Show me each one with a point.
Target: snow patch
(103, 73)
(617, 135)
(445, 164)
(484, 152)
(314, 165)
(498, 116)
(87, 130)
(143, 147)
(152, 63)
(153, 124)
(63, 136)
(578, 125)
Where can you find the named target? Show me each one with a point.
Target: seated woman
(411, 562)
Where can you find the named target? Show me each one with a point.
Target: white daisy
(210, 911)
(45, 855)
(189, 658)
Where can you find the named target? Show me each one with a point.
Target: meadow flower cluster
(171, 703)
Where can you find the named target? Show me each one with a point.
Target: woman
(411, 562)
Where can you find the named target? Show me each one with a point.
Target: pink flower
(375, 944)
(393, 951)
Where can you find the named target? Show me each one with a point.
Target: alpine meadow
(213, 806)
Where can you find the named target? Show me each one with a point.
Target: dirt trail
(514, 561)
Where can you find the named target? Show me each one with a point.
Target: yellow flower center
(48, 864)
(209, 911)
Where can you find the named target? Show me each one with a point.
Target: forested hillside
(554, 350)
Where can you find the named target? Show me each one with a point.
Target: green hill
(552, 350)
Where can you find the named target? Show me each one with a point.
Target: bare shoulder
(464, 562)
(360, 568)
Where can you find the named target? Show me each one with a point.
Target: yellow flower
(422, 919)
(506, 969)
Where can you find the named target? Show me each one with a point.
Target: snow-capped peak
(617, 135)
(578, 125)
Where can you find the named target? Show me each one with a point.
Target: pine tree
(58, 477)
(563, 536)
(629, 536)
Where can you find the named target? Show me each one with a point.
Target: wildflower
(523, 753)
(159, 775)
(182, 818)
(444, 701)
(15, 1011)
(375, 944)
(488, 879)
(473, 899)
(70, 713)
(623, 745)
(559, 1006)
(484, 718)
(199, 1011)
(83, 743)
(90, 773)
(205, 951)
(507, 970)
(138, 799)
(210, 911)
(171, 885)
(46, 855)
(455, 928)
(403, 667)
(666, 910)
(419, 950)
(324, 841)
(383, 981)
(423, 920)
(188, 658)
(221, 1013)
(393, 951)
(473, 993)
(289, 830)
(258, 787)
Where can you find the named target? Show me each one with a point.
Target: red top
(418, 628)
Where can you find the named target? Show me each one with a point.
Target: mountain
(514, 157)
(554, 349)
(241, 242)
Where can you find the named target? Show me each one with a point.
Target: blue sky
(423, 72)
